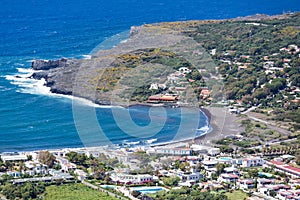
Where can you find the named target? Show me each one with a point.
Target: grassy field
(73, 192)
(236, 195)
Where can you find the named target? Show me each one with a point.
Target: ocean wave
(86, 57)
(29, 85)
(150, 141)
(124, 41)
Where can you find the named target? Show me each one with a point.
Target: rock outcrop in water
(48, 64)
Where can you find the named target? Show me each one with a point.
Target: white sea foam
(124, 41)
(150, 141)
(86, 57)
(204, 129)
(38, 87)
(28, 71)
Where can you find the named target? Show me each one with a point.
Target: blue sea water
(44, 29)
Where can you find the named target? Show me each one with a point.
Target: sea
(31, 118)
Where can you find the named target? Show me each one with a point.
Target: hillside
(250, 61)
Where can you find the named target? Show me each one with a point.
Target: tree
(253, 173)
(46, 158)
(171, 181)
(220, 168)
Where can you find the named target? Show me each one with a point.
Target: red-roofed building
(246, 183)
(228, 178)
(205, 93)
(294, 172)
(162, 99)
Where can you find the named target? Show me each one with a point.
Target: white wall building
(131, 179)
(252, 162)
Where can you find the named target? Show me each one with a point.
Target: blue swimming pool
(225, 159)
(148, 190)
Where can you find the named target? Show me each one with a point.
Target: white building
(13, 158)
(174, 151)
(184, 70)
(252, 162)
(131, 179)
(193, 177)
(207, 164)
(262, 182)
(81, 174)
(228, 178)
(246, 184)
(213, 151)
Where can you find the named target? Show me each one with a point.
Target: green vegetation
(236, 195)
(244, 50)
(189, 194)
(73, 192)
(46, 158)
(25, 191)
(171, 181)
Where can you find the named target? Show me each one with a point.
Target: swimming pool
(224, 159)
(148, 190)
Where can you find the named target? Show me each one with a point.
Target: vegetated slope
(256, 58)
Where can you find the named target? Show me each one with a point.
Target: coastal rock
(48, 64)
(39, 75)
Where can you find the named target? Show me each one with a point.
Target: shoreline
(217, 130)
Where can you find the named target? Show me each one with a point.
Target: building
(184, 70)
(208, 164)
(213, 151)
(246, 183)
(173, 151)
(131, 179)
(13, 158)
(81, 175)
(262, 182)
(205, 93)
(193, 177)
(163, 99)
(231, 170)
(228, 178)
(252, 162)
(294, 172)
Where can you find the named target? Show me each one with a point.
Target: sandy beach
(223, 124)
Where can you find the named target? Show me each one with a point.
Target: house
(205, 93)
(81, 174)
(184, 70)
(95, 154)
(246, 183)
(131, 179)
(231, 170)
(262, 182)
(14, 174)
(65, 164)
(228, 178)
(213, 151)
(207, 164)
(193, 177)
(252, 162)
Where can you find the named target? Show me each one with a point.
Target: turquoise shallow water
(52, 29)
